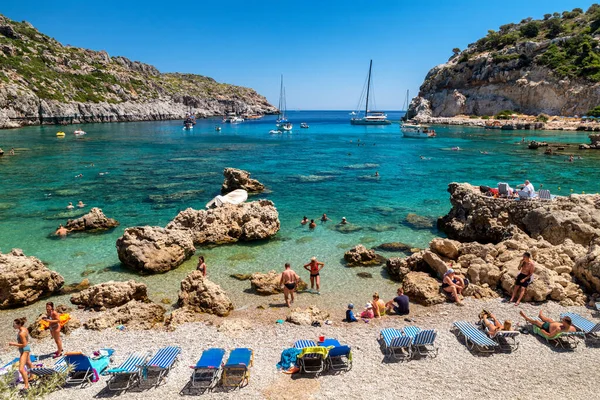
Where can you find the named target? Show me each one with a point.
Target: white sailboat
(415, 130)
(370, 117)
(282, 122)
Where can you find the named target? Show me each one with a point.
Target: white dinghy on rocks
(238, 196)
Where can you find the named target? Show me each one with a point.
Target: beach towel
(288, 358)
(62, 320)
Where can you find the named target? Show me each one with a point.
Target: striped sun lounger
(474, 338)
(396, 344)
(128, 373)
(424, 343)
(207, 370)
(236, 370)
(301, 344)
(589, 329)
(59, 367)
(157, 368)
(566, 340)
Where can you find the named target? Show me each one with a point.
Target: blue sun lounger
(86, 369)
(339, 357)
(15, 360)
(236, 370)
(128, 373)
(208, 369)
(157, 368)
(474, 338)
(423, 340)
(396, 344)
(589, 329)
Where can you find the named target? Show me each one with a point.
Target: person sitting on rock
(402, 301)
(378, 306)
(350, 314)
(528, 191)
(453, 285)
(61, 231)
(526, 269)
(492, 324)
(304, 221)
(548, 326)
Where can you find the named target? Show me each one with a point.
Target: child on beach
(368, 313)
(350, 314)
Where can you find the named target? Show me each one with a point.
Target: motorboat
(274, 132)
(369, 117)
(304, 125)
(189, 121)
(233, 118)
(238, 196)
(417, 131)
(78, 132)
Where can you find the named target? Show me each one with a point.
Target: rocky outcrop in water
(110, 294)
(95, 220)
(153, 249)
(359, 255)
(229, 223)
(201, 295)
(71, 85)
(240, 179)
(24, 280)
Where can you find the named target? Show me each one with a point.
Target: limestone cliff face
(44, 82)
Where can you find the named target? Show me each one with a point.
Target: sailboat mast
(368, 88)
(280, 96)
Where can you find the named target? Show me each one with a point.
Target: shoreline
(554, 124)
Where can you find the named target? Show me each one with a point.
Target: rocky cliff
(44, 82)
(549, 66)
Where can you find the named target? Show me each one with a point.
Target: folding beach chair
(86, 369)
(157, 368)
(424, 343)
(208, 369)
(474, 338)
(312, 359)
(236, 370)
(59, 367)
(544, 194)
(301, 344)
(339, 358)
(507, 340)
(503, 189)
(396, 344)
(128, 373)
(566, 340)
(590, 330)
(15, 360)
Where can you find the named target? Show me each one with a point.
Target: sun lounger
(474, 338)
(15, 360)
(312, 359)
(208, 369)
(424, 343)
(339, 357)
(85, 369)
(544, 194)
(157, 368)
(59, 367)
(590, 330)
(237, 368)
(396, 344)
(128, 373)
(301, 344)
(507, 340)
(566, 340)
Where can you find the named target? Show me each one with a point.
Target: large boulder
(436, 263)
(240, 179)
(202, 295)
(587, 268)
(229, 223)
(398, 267)
(423, 289)
(152, 249)
(111, 294)
(359, 255)
(398, 247)
(134, 315)
(445, 247)
(306, 316)
(95, 220)
(24, 280)
(267, 284)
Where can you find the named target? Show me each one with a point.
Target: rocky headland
(44, 82)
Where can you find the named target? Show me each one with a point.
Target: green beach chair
(566, 340)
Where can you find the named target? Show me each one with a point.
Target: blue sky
(322, 47)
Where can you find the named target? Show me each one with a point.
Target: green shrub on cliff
(504, 114)
(594, 112)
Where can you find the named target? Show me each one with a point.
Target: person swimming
(324, 218)
(304, 221)
(376, 173)
(344, 222)
(70, 206)
(80, 204)
(312, 224)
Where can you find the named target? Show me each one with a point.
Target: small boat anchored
(232, 118)
(282, 123)
(370, 117)
(411, 129)
(78, 132)
(189, 121)
(304, 125)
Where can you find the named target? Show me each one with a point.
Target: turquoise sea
(145, 173)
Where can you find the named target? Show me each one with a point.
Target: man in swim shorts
(314, 267)
(289, 281)
(61, 231)
(526, 269)
(548, 326)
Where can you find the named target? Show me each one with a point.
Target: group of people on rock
(377, 308)
(52, 319)
(324, 218)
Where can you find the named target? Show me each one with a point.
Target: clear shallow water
(152, 170)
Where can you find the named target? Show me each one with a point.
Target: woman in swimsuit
(453, 285)
(22, 344)
(52, 317)
(378, 305)
(201, 266)
(314, 267)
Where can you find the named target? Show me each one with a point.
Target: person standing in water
(24, 347)
(52, 317)
(314, 267)
(304, 221)
(61, 231)
(289, 280)
(70, 206)
(324, 218)
(201, 266)
(312, 224)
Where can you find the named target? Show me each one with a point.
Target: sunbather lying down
(548, 326)
(492, 324)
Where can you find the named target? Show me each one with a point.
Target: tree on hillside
(530, 29)
(456, 51)
(554, 28)
(547, 17)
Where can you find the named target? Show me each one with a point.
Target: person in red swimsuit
(314, 267)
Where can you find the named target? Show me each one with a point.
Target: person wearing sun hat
(368, 313)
